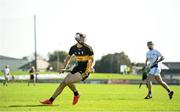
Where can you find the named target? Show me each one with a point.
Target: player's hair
(7, 66)
(150, 43)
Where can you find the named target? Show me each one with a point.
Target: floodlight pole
(35, 50)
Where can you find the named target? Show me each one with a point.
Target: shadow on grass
(28, 106)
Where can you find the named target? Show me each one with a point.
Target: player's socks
(149, 96)
(76, 97)
(51, 99)
(76, 93)
(171, 93)
(168, 90)
(149, 93)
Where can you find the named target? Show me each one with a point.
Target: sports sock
(51, 99)
(149, 93)
(168, 90)
(76, 93)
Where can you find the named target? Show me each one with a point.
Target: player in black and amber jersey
(84, 57)
(32, 73)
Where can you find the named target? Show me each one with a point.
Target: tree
(56, 59)
(57, 54)
(111, 63)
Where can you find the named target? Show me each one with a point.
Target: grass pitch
(18, 97)
(92, 76)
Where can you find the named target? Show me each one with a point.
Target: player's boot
(47, 102)
(171, 93)
(75, 99)
(148, 97)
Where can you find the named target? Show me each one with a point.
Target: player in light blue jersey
(153, 61)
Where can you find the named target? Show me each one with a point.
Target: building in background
(173, 71)
(42, 65)
(14, 63)
(22, 64)
(173, 65)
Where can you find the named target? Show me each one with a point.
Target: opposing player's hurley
(84, 56)
(153, 59)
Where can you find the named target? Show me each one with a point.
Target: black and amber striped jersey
(82, 56)
(32, 72)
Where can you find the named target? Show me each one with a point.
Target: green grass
(92, 76)
(113, 76)
(26, 73)
(102, 98)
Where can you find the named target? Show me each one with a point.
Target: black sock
(51, 99)
(149, 93)
(76, 93)
(168, 90)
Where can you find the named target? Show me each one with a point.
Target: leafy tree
(56, 59)
(111, 63)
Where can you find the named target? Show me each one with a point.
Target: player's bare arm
(160, 59)
(91, 64)
(66, 62)
(146, 62)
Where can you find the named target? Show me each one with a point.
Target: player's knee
(66, 82)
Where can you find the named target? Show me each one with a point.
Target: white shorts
(155, 71)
